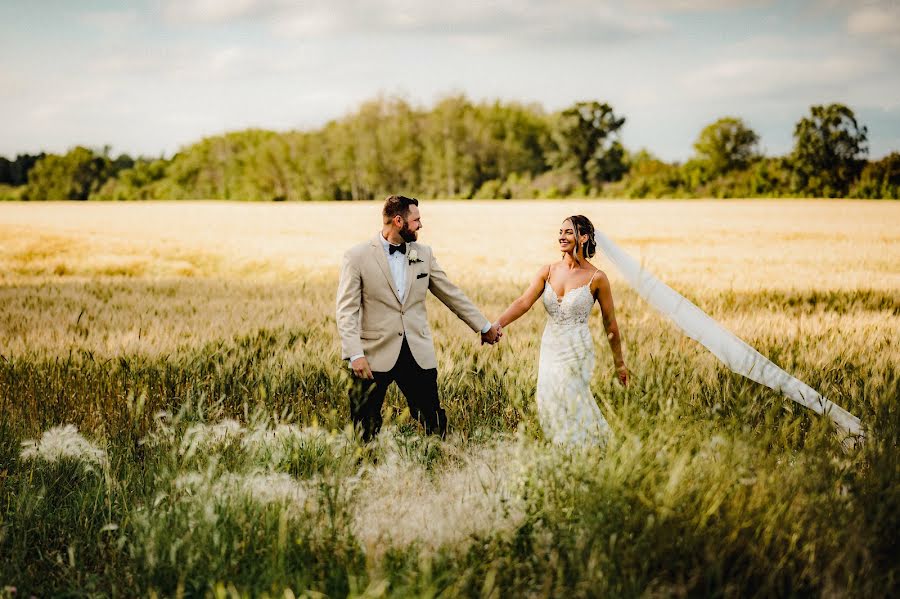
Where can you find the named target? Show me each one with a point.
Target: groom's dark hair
(397, 205)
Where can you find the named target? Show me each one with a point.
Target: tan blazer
(371, 320)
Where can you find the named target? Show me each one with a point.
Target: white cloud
(319, 21)
(225, 58)
(574, 20)
(214, 11)
(69, 102)
(111, 21)
(700, 5)
(754, 77)
(195, 61)
(881, 20)
(10, 82)
(783, 71)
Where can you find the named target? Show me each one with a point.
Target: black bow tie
(396, 248)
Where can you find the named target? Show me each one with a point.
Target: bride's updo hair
(584, 226)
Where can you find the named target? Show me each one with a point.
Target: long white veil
(725, 345)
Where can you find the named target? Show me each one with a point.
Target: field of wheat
(173, 413)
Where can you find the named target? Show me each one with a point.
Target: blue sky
(147, 77)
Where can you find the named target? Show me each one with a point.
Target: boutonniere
(413, 257)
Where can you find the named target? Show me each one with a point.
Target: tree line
(464, 149)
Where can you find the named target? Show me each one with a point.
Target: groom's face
(409, 230)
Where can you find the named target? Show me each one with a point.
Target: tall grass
(186, 434)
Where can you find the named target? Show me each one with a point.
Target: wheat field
(173, 409)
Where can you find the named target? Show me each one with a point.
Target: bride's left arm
(603, 294)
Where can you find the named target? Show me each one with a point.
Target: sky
(147, 77)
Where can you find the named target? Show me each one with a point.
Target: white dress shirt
(397, 264)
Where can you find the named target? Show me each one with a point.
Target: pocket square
(422, 276)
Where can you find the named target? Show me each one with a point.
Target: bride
(568, 289)
(566, 408)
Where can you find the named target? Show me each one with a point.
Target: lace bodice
(572, 308)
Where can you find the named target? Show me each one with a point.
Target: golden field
(740, 245)
(709, 250)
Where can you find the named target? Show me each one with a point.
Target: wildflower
(400, 503)
(205, 436)
(263, 488)
(64, 442)
(276, 444)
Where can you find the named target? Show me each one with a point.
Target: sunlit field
(173, 409)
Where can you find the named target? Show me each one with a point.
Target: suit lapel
(409, 272)
(378, 251)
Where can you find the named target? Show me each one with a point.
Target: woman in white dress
(569, 288)
(567, 410)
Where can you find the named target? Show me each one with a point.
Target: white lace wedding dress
(566, 407)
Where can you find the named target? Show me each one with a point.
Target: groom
(382, 322)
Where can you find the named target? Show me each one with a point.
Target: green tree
(382, 147)
(512, 141)
(726, 145)
(140, 182)
(73, 176)
(15, 172)
(220, 167)
(649, 177)
(5, 171)
(586, 140)
(879, 179)
(450, 135)
(829, 151)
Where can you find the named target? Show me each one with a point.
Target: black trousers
(418, 385)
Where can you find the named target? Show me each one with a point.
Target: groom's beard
(408, 235)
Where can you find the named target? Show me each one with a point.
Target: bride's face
(567, 237)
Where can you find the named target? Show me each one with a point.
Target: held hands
(493, 335)
(362, 370)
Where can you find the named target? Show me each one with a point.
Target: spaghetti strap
(592, 277)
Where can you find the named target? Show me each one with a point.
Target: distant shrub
(492, 189)
(9, 193)
(140, 182)
(879, 179)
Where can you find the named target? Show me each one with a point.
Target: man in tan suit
(382, 322)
